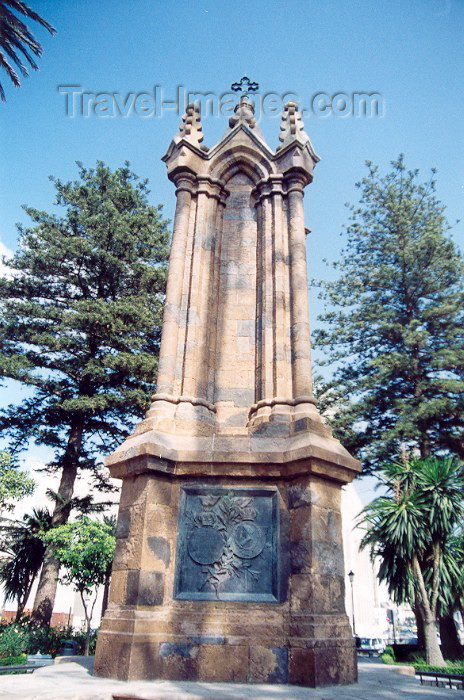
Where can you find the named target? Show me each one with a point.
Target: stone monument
(229, 561)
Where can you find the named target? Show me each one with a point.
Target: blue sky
(411, 53)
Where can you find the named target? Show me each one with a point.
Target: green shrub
(389, 651)
(46, 640)
(13, 640)
(27, 636)
(456, 667)
(13, 660)
(80, 637)
(388, 659)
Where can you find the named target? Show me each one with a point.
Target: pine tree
(395, 329)
(80, 326)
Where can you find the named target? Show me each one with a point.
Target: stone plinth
(229, 562)
(305, 638)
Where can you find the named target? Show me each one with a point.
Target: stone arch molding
(241, 158)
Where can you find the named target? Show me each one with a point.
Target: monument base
(234, 658)
(269, 608)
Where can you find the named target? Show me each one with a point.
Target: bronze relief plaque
(227, 545)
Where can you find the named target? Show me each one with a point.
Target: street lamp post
(351, 577)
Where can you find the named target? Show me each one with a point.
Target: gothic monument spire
(229, 562)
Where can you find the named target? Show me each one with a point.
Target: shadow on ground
(68, 680)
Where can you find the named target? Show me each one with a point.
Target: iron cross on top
(245, 85)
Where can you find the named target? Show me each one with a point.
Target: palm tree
(16, 39)
(24, 555)
(408, 530)
(451, 597)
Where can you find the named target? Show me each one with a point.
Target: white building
(370, 598)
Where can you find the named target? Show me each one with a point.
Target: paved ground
(70, 681)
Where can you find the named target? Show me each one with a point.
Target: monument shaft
(229, 561)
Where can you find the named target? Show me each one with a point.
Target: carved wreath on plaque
(224, 539)
(227, 544)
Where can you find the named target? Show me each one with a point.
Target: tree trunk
(87, 634)
(433, 655)
(450, 644)
(420, 627)
(88, 620)
(20, 609)
(424, 442)
(46, 591)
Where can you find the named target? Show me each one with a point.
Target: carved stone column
(209, 368)
(265, 299)
(301, 343)
(168, 350)
(281, 264)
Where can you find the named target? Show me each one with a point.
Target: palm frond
(15, 37)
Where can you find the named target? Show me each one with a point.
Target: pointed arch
(241, 158)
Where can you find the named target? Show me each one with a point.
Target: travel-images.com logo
(146, 105)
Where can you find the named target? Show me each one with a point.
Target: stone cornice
(259, 456)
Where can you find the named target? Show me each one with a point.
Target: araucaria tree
(80, 326)
(410, 530)
(394, 331)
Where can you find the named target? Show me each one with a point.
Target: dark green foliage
(420, 511)
(17, 39)
(82, 315)
(45, 640)
(418, 661)
(394, 332)
(388, 656)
